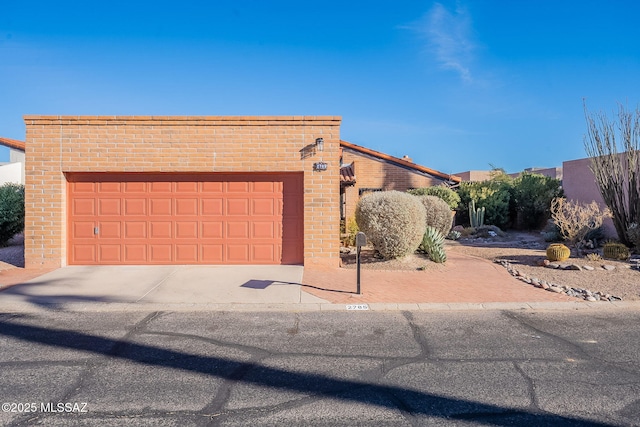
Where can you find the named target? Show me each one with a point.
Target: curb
(321, 307)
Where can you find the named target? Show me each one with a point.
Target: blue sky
(456, 85)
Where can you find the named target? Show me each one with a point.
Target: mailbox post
(361, 240)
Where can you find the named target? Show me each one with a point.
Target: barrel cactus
(558, 252)
(615, 250)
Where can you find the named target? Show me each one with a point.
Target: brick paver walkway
(463, 279)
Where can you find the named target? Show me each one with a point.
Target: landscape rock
(608, 267)
(573, 267)
(588, 268)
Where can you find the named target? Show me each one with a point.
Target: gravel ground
(12, 255)
(524, 251)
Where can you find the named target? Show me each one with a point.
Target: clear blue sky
(456, 85)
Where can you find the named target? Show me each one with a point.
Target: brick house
(365, 170)
(14, 170)
(182, 190)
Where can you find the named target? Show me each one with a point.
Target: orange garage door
(128, 218)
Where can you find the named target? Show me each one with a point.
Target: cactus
(476, 215)
(614, 250)
(558, 252)
(433, 245)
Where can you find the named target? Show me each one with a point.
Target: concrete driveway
(169, 286)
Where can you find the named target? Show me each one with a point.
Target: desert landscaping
(524, 252)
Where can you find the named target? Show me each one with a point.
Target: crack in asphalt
(216, 411)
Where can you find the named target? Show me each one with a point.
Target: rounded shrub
(394, 222)
(437, 214)
(11, 211)
(445, 193)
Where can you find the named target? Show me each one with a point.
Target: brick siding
(376, 173)
(56, 145)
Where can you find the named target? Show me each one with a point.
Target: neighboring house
(365, 170)
(182, 190)
(579, 185)
(14, 170)
(484, 175)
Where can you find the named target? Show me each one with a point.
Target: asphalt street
(446, 368)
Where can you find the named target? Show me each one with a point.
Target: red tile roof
(400, 162)
(348, 174)
(12, 143)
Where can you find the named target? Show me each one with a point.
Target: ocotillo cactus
(476, 215)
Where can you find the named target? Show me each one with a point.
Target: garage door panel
(109, 187)
(263, 187)
(212, 206)
(262, 253)
(160, 206)
(84, 253)
(186, 207)
(185, 219)
(84, 207)
(238, 207)
(187, 253)
(212, 229)
(110, 229)
(83, 187)
(212, 187)
(83, 230)
(237, 230)
(135, 187)
(212, 253)
(186, 187)
(135, 253)
(263, 230)
(160, 254)
(108, 207)
(135, 207)
(110, 254)
(160, 187)
(186, 229)
(237, 187)
(238, 253)
(135, 229)
(263, 207)
(160, 229)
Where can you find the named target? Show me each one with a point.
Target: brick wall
(377, 173)
(58, 144)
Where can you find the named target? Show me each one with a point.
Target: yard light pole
(361, 240)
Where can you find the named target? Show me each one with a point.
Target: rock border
(584, 294)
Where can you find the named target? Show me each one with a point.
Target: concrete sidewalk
(464, 282)
(87, 287)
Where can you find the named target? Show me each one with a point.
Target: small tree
(11, 211)
(617, 173)
(575, 220)
(531, 199)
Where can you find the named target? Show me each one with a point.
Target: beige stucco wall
(579, 184)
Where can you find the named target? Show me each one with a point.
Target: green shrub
(633, 234)
(494, 195)
(433, 245)
(394, 222)
(445, 193)
(531, 196)
(438, 214)
(11, 211)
